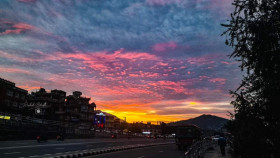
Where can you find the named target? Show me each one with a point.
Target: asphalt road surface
(30, 148)
(161, 151)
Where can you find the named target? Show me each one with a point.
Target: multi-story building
(152, 129)
(110, 122)
(47, 105)
(49, 111)
(117, 123)
(12, 98)
(80, 112)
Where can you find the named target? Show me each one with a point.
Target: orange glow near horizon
(154, 116)
(144, 117)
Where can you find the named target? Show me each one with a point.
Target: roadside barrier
(197, 149)
(90, 152)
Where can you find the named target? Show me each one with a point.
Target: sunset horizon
(140, 78)
(148, 60)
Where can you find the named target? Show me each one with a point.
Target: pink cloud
(162, 47)
(162, 64)
(29, 88)
(18, 58)
(204, 60)
(220, 7)
(133, 55)
(14, 70)
(228, 63)
(134, 75)
(81, 56)
(18, 28)
(221, 81)
(176, 87)
(23, 26)
(149, 74)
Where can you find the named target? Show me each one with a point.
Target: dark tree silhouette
(135, 128)
(254, 33)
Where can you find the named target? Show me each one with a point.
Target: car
(215, 138)
(114, 136)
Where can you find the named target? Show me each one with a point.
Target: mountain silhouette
(208, 122)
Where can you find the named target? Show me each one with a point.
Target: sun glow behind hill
(142, 115)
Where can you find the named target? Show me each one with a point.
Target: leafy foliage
(253, 32)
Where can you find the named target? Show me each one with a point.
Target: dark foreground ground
(162, 151)
(30, 148)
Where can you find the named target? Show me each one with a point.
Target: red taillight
(38, 137)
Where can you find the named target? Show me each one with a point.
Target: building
(47, 105)
(49, 111)
(151, 129)
(117, 123)
(12, 98)
(80, 112)
(109, 123)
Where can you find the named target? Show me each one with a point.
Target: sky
(146, 60)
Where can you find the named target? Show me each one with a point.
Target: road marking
(49, 145)
(12, 153)
(59, 148)
(110, 153)
(141, 157)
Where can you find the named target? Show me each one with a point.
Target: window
(9, 93)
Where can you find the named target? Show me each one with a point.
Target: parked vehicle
(186, 135)
(114, 136)
(155, 136)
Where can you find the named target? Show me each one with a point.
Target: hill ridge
(204, 121)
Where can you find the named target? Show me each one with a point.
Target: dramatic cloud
(135, 58)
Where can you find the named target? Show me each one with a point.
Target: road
(13, 149)
(162, 151)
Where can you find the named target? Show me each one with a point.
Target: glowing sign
(146, 132)
(5, 117)
(99, 120)
(101, 114)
